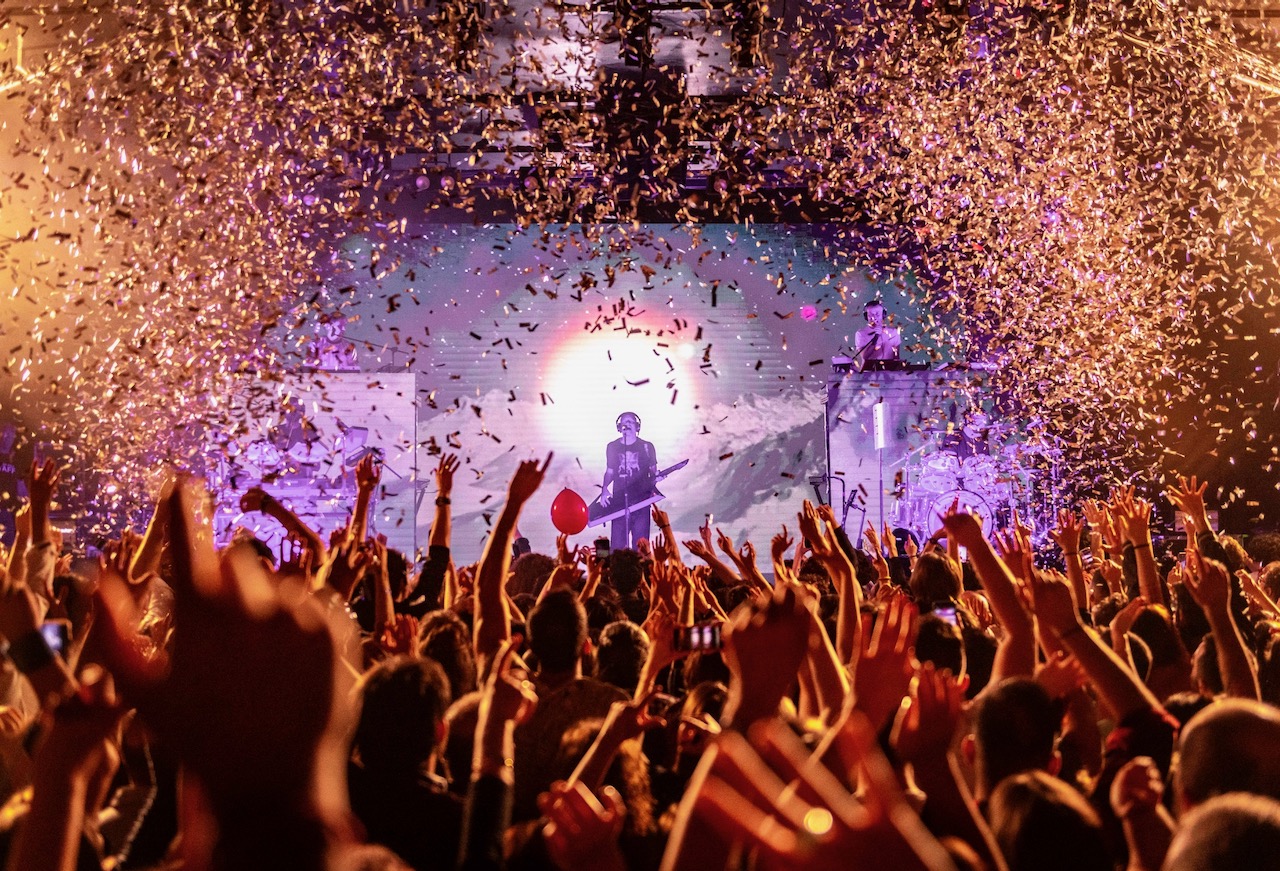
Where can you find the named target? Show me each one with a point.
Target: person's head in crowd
(1237, 557)
(935, 578)
(1264, 547)
(626, 571)
(369, 857)
(735, 596)
(558, 633)
(601, 611)
(524, 601)
(244, 545)
(620, 655)
(1154, 626)
(1183, 706)
(1042, 824)
(864, 572)
(1231, 746)
(460, 730)
(1205, 674)
(529, 572)
(1269, 580)
(444, 638)
(696, 722)
(398, 574)
(812, 576)
(1232, 832)
(1014, 729)
(1190, 620)
(1106, 610)
(401, 728)
(940, 642)
(702, 666)
(1269, 669)
(979, 659)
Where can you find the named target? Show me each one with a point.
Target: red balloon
(569, 512)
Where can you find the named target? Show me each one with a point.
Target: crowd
(959, 705)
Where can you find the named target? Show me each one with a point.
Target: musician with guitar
(631, 467)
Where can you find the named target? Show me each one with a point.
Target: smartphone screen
(700, 636)
(948, 613)
(602, 548)
(57, 633)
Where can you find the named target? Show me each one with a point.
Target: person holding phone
(631, 468)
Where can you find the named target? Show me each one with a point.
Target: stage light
(592, 378)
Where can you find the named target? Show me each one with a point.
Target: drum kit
(986, 472)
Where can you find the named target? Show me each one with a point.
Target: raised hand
(400, 635)
(704, 534)
(779, 545)
(1100, 518)
(725, 543)
(1112, 574)
(662, 549)
(1188, 497)
(447, 466)
(247, 702)
(1139, 786)
(890, 542)
(1054, 606)
(698, 549)
(507, 700)
(1060, 675)
(254, 499)
(815, 530)
(827, 829)
(41, 486)
(347, 563)
(873, 541)
(888, 662)
(924, 727)
(764, 644)
(42, 483)
(581, 832)
(1066, 535)
(368, 473)
(660, 518)
(527, 479)
(963, 527)
(1208, 582)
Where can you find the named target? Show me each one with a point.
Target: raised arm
(1066, 535)
(146, 559)
(1209, 583)
(818, 526)
(1017, 652)
(368, 474)
(703, 550)
(1119, 689)
(1134, 518)
(257, 499)
(492, 619)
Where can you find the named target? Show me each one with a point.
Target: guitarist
(631, 466)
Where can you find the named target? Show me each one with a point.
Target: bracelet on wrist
(443, 500)
(31, 652)
(1146, 545)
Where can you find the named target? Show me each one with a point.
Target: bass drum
(969, 501)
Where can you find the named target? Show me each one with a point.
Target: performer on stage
(877, 340)
(632, 469)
